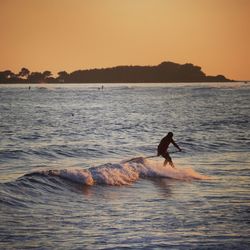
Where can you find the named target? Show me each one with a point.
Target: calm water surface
(65, 183)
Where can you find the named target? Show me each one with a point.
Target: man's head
(170, 134)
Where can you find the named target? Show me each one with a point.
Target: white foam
(151, 168)
(125, 173)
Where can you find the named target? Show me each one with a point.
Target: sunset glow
(80, 34)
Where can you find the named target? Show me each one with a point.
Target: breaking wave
(124, 173)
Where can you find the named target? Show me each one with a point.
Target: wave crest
(124, 173)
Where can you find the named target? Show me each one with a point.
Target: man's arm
(175, 144)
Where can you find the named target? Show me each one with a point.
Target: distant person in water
(163, 147)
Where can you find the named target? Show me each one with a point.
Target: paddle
(152, 156)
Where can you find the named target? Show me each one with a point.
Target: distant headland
(163, 73)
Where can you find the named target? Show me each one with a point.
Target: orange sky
(79, 34)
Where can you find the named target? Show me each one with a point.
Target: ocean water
(73, 172)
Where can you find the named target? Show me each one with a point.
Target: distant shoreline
(165, 72)
(101, 83)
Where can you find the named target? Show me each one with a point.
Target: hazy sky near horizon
(80, 34)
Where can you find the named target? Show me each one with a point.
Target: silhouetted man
(163, 147)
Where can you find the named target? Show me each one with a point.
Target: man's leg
(165, 163)
(171, 164)
(168, 159)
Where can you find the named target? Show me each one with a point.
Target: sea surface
(74, 172)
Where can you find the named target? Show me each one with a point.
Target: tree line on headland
(164, 72)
